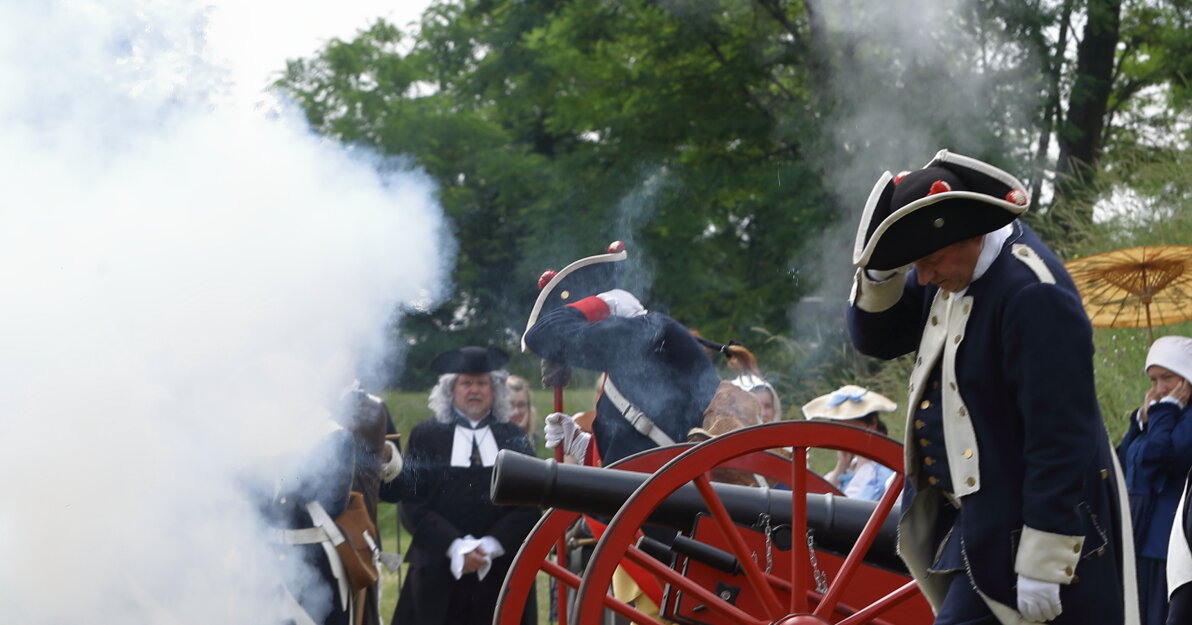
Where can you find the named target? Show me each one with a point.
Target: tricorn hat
(951, 199)
(847, 402)
(582, 278)
(469, 359)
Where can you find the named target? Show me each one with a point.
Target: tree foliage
(727, 142)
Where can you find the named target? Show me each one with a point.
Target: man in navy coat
(1013, 511)
(659, 379)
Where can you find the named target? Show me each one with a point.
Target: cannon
(793, 554)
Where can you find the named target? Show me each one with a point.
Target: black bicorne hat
(469, 359)
(583, 278)
(951, 199)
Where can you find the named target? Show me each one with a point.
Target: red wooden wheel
(855, 592)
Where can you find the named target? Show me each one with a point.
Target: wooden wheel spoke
(737, 545)
(864, 542)
(800, 553)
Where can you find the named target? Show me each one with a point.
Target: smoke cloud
(186, 287)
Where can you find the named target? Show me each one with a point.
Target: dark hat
(582, 278)
(951, 199)
(469, 359)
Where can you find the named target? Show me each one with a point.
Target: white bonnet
(1173, 353)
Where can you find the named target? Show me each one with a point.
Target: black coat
(440, 503)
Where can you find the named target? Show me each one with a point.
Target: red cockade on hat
(1017, 196)
(939, 186)
(545, 278)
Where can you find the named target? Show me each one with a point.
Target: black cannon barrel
(835, 522)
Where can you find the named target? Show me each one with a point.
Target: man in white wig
(461, 545)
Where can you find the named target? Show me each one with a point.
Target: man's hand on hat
(881, 275)
(562, 429)
(622, 303)
(1038, 601)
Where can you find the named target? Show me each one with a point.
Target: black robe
(440, 503)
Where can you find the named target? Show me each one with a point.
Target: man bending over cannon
(1013, 511)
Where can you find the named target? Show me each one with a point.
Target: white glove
(561, 428)
(881, 275)
(1038, 601)
(622, 303)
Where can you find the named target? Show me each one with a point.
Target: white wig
(441, 400)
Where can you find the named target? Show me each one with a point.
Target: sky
(188, 285)
(255, 37)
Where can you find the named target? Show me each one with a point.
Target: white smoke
(184, 286)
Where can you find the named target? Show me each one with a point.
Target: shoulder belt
(1033, 261)
(635, 416)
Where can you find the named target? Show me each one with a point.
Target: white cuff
(457, 550)
(390, 469)
(874, 296)
(492, 547)
(1047, 557)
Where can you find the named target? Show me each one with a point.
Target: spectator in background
(1156, 454)
(522, 411)
(765, 394)
(853, 475)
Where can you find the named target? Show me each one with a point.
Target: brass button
(935, 321)
(938, 223)
(971, 481)
(956, 339)
(967, 308)
(1067, 570)
(1076, 548)
(919, 424)
(968, 453)
(924, 442)
(928, 460)
(1023, 252)
(924, 405)
(1075, 579)
(952, 385)
(933, 480)
(565, 295)
(1101, 552)
(1104, 474)
(945, 297)
(963, 411)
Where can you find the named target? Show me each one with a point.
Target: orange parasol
(1136, 287)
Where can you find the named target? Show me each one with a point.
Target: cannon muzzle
(835, 522)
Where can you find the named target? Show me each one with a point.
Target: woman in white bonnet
(1156, 454)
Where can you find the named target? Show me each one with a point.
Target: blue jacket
(1035, 468)
(652, 359)
(1155, 461)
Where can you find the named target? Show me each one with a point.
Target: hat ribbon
(839, 397)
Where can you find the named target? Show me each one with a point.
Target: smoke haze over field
(186, 286)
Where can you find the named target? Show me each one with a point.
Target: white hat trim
(558, 277)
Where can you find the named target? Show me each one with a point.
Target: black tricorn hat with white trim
(951, 199)
(583, 278)
(469, 359)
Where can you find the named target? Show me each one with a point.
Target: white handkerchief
(461, 547)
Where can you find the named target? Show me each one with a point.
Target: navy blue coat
(1156, 461)
(652, 359)
(1024, 371)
